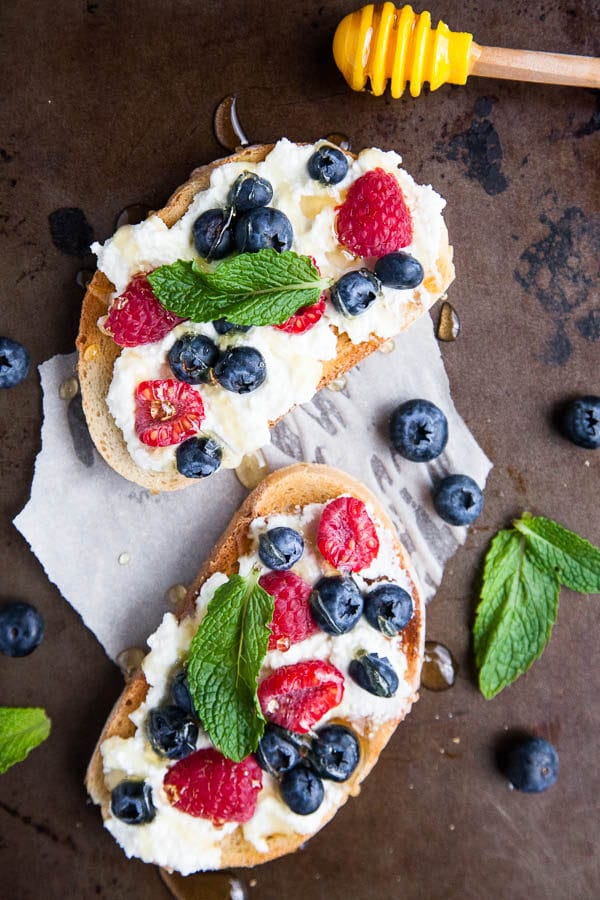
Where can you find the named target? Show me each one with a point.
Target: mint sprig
(263, 288)
(21, 731)
(225, 657)
(524, 569)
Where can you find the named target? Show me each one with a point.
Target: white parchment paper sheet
(83, 518)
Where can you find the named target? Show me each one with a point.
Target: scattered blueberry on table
(531, 766)
(21, 629)
(581, 422)
(14, 363)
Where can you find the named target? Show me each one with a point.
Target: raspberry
(292, 621)
(305, 318)
(167, 412)
(347, 537)
(374, 218)
(209, 786)
(136, 316)
(297, 696)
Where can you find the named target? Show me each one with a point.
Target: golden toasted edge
(98, 352)
(282, 491)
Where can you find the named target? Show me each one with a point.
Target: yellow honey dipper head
(381, 43)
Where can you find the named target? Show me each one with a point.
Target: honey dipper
(381, 43)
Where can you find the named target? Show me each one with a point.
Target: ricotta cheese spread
(180, 841)
(294, 363)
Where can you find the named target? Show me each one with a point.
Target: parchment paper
(114, 550)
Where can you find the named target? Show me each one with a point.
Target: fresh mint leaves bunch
(225, 658)
(524, 569)
(263, 288)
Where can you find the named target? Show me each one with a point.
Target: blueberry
(302, 790)
(192, 357)
(212, 235)
(280, 750)
(240, 369)
(389, 608)
(374, 674)
(336, 603)
(222, 326)
(418, 430)
(355, 291)
(198, 457)
(14, 363)
(458, 499)
(334, 752)
(581, 422)
(131, 802)
(250, 191)
(172, 732)
(328, 165)
(180, 694)
(262, 228)
(21, 629)
(531, 766)
(399, 270)
(279, 548)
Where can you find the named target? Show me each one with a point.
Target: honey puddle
(226, 125)
(439, 667)
(132, 215)
(205, 886)
(252, 469)
(448, 327)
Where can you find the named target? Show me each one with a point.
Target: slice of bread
(281, 492)
(98, 351)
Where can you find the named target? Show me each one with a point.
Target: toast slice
(98, 352)
(284, 491)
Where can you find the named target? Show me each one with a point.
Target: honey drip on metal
(226, 125)
(205, 886)
(340, 140)
(448, 327)
(439, 667)
(132, 215)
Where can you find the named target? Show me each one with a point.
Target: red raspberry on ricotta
(210, 786)
(167, 412)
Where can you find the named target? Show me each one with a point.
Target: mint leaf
(574, 560)
(225, 658)
(517, 609)
(263, 288)
(21, 731)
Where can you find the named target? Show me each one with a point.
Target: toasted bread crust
(282, 491)
(98, 351)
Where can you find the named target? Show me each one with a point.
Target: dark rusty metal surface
(108, 104)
